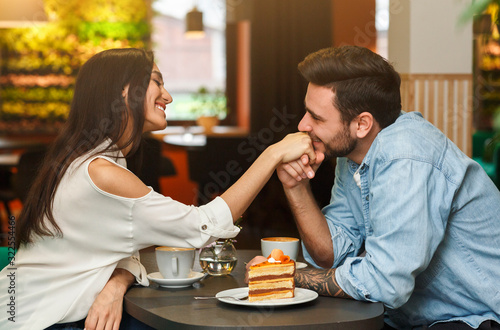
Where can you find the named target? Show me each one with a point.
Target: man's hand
(106, 311)
(294, 173)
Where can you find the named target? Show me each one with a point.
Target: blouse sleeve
(160, 220)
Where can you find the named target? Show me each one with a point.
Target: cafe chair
(7, 195)
(4, 256)
(486, 151)
(15, 185)
(27, 169)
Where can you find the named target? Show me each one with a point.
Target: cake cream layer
(271, 295)
(287, 283)
(272, 289)
(271, 271)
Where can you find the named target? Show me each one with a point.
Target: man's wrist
(297, 191)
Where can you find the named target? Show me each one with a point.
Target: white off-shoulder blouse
(56, 280)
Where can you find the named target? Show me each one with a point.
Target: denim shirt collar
(355, 168)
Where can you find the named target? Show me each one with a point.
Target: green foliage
(95, 32)
(77, 29)
(477, 7)
(47, 111)
(37, 94)
(206, 103)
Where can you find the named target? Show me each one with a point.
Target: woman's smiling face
(155, 103)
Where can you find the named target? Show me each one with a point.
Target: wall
(353, 23)
(424, 37)
(433, 54)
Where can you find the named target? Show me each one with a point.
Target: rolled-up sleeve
(340, 216)
(133, 265)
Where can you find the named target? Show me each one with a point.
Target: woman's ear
(365, 123)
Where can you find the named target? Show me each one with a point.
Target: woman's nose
(166, 95)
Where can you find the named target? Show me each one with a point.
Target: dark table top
(176, 308)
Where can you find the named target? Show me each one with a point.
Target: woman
(87, 216)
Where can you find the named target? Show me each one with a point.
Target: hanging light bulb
(194, 24)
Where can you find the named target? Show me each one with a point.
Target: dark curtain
(283, 32)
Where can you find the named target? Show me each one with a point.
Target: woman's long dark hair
(98, 112)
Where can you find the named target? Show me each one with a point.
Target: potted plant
(480, 7)
(209, 107)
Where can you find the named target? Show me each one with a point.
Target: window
(189, 64)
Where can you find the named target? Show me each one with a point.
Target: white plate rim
(301, 296)
(175, 282)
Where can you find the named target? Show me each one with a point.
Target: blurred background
(235, 61)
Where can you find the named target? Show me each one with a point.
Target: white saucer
(175, 282)
(300, 265)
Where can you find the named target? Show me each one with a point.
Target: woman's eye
(158, 83)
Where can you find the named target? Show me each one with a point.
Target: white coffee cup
(289, 246)
(174, 262)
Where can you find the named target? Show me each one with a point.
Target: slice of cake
(272, 279)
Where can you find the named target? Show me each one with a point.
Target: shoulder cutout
(116, 180)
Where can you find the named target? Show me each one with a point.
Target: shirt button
(366, 197)
(204, 227)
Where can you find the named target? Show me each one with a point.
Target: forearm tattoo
(320, 280)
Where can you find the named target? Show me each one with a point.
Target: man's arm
(320, 280)
(311, 223)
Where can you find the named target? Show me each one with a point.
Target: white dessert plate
(301, 296)
(175, 282)
(300, 265)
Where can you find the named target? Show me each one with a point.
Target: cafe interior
(231, 68)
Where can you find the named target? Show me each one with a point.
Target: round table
(163, 308)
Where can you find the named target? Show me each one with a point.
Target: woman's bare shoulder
(116, 180)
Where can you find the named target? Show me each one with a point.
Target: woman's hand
(106, 311)
(297, 152)
(254, 261)
(293, 147)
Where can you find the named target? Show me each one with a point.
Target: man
(426, 216)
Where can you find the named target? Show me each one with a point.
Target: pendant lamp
(194, 24)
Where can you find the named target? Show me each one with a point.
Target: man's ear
(365, 123)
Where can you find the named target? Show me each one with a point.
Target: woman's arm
(294, 146)
(106, 311)
(239, 196)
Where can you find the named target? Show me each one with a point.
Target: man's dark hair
(362, 81)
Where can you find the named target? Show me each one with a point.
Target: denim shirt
(428, 218)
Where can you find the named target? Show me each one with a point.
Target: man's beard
(341, 145)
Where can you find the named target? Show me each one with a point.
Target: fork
(229, 297)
